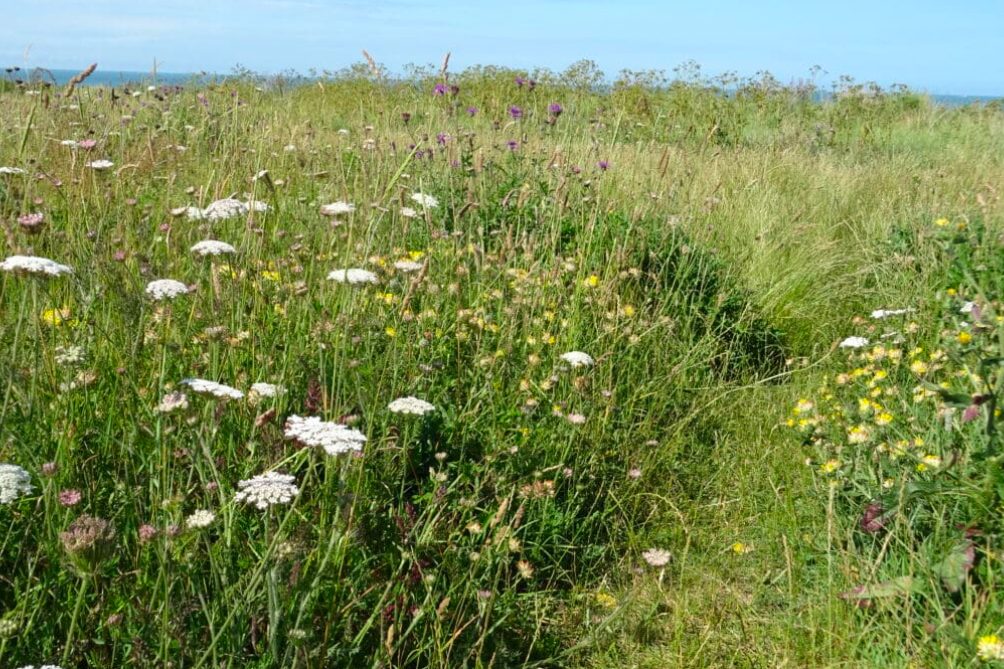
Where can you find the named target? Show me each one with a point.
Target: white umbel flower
(41, 666)
(578, 359)
(408, 212)
(14, 482)
(221, 210)
(211, 247)
(200, 519)
(267, 490)
(11, 170)
(176, 401)
(411, 405)
(427, 201)
(854, 342)
(204, 387)
(879, 314)
(101, 164)
(34, 265)
(353, 276)
(967, 308)
(408, 266)
(337, 208)
(334, 438)
(657, 557)
(262, 389)
(165, 289)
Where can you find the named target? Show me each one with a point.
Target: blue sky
(941, 47)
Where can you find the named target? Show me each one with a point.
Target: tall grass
(706, 249)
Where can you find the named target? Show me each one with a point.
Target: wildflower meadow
(498, 368)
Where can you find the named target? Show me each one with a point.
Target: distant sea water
(118, 78)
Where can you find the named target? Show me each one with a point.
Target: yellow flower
(829, 466)
(592, 281)
(270, 275)
(990, 648)
(883, 418)
(605, 600)
(57, 317)
(919, 367)
(941, 222)
(739, 548)
(391, 332)
(628, 310)
(803, 406)
(964, 337)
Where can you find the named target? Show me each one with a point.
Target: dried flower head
(88, 540)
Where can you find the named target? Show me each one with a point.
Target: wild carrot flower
(262, 389)
(173, 402)
(219, 390)
(211, 247)
(354, 276)
(34, 265)
(879, 314)
(88, 539)
(334, 438)
(14, 482)
(578, 359)
(11, 170)
(410, 405)
(408, 266)
(165, 289)
(99, 165)
(31, 223)
(656, 557)
(854, 342)
(267, 490)
(427, 201)
(200, 519)
(69, 497)
(338, 208)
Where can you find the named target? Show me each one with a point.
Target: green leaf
(954, 568)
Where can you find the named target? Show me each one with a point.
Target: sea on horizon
(118, 78)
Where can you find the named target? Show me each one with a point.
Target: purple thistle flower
(603, 165)
(555, 109)
(442, 138)
(440, 89)
(454, 89)
(515, 112)
(512, 144)
(520, 81)
(405, 116)
(471, 111)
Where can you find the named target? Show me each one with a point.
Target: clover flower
(334, 438)
(211, 247)
(165, 289)
(14, 482)
(204, 387)
(34, 265)
(411, 405)
(352, 276)
(267, 490)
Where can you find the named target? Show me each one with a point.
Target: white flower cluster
(408, 212)
(334, 438)
(41, 666)
(879, 314)
(100, 164)
(408, 266)
(211, 247)
(69, 355)
(262, 389)
(14, 482)
(353, 276)
(200, 519)
(11, 170)
(578, 359)
(205, 387)
(175, 401)
(223, 209)
(854, 342)
(266, 490)
(34, 265)
(427, 201)
(165, 289)
(410, 405)
(337, 208)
